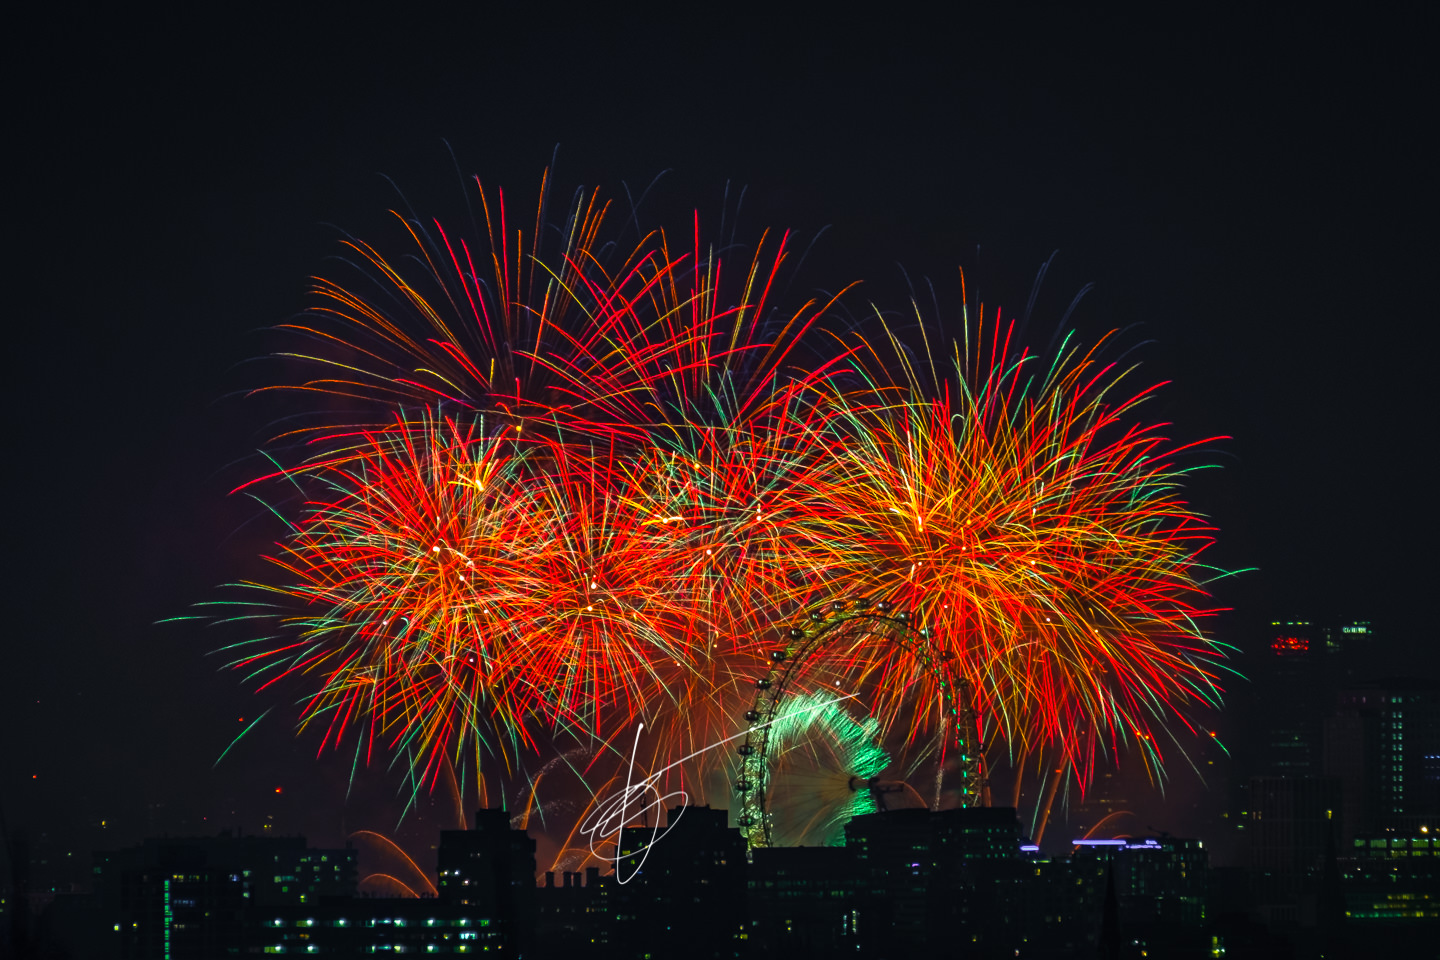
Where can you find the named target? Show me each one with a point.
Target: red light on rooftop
(1290, 646)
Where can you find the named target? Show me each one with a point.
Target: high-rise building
(1293, 821)
(1348, 642)
(490, 870)
(1383, 743)
(1394, 877)
(574, 918)
(1296, 679)
(1161, 887)
(805, 900)
(685, 889)
(195, 897)
(1162, 881)
(364, 926)
(933, 877)
(1294, 683)
(1390, 885)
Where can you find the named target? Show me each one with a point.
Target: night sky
(1244, 191)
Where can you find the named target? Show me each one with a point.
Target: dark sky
(1244, 190)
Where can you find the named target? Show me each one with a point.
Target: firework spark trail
(390, 848)
(656, 464)
(629, 373)
(463, 325)
(824, 759)
(553, 324)
(600, 608)
(1040, 535)
(559, 330)
(406, 574)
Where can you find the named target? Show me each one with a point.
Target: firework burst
(630, 415)
(606, 471)
(1038, 532)
(825, 764)
(413, 577)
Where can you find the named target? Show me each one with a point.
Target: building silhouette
(198, 896)
(684, 894)
(959, 883)
(489, 873)
(234, 896)
(1382, 742)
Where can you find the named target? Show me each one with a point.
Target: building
(1161, 882)
(1393, 878)
(960, 882)
(574, 918)
(679, 890)
(948, 877)
(804, 901)
(1297, 678)
(223, 896)
(364, 926)
(1295, 681)
(1292, 823)
(195, 897)
(490, 872)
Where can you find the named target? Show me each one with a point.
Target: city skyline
(903, 880)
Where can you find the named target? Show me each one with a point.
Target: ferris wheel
(805, 646)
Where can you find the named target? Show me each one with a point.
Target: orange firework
(1038, 532)
(605, 473)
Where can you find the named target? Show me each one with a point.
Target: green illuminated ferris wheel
(805, 645)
